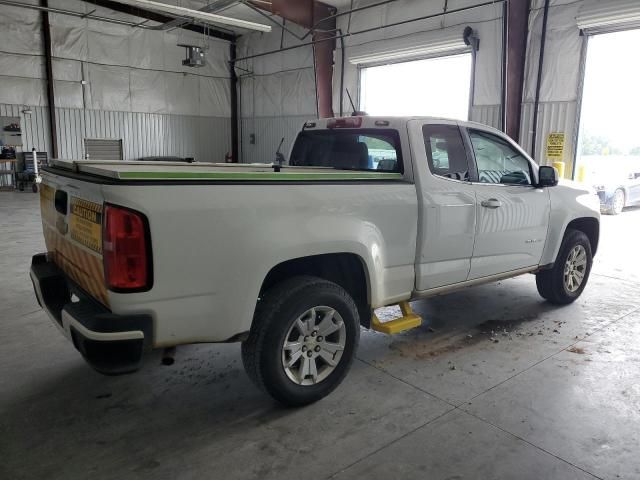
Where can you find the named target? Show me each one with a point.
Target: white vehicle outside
(292, 260)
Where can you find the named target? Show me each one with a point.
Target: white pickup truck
(291, 260)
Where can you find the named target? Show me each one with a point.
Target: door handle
(491, 203)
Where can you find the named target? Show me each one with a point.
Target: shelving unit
(7, 173)
(10, 149)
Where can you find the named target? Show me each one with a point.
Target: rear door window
(348, 149)
(446, 154)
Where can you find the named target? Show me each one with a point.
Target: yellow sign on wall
(555, 146)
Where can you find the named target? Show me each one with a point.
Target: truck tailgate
(72, 226)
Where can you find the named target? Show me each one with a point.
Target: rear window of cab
(348, 149)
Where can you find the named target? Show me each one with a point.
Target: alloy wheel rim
(314, 345)
(575, 268)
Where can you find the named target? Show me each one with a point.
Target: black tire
(611, 208)
(34, 188)
(276, 312)
(551, 284)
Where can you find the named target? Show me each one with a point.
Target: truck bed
(159, 171)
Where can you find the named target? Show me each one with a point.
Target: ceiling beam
(305, 13)
(311, 14)
(207, 18)
(213, 7)
(160, 18)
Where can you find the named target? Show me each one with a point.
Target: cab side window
(445, 151)
(498, 161)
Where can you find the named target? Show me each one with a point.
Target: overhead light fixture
(196, 15)
(194, 55)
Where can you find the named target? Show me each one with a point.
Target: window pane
(437, 87)
(348, 150)
(445, 151)
(498, 161)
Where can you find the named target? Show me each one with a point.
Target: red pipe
(517, 30)
(307, 13)
(323, 53)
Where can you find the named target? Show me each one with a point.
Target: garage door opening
(436, 87)
(608, 155)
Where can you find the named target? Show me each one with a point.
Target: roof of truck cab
(369, 121)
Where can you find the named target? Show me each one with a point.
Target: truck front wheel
(302, 341)
(564, 283)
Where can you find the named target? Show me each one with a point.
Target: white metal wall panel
(552, 117)
(268, 133)
(214, 138)
(34, 126)
(560, 73)
(487, 21)
(159, 106)
(71, 126)
(110, 58)
(488, 115)
(147, 134)
(143, 134)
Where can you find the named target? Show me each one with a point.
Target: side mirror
(547, 176)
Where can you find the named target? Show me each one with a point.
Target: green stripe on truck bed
(258, 176)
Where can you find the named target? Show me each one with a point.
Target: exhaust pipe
(169, 356)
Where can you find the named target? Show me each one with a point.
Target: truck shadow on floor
(148, 420)
(465, 318)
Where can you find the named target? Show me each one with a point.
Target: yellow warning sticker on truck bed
(85, 223)
(47, 208)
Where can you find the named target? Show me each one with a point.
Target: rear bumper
(111, 344)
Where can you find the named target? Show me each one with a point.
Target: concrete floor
(496, 385)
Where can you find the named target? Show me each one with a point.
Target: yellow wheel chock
(407, 321)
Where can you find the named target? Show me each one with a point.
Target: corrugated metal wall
(552, 117)
(268, 132)
(35, 127)
(143, 134)
(208, 138)
(487, 114)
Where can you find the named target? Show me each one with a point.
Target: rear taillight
(125, 249)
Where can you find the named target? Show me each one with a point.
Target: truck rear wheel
(302, 341)
(565, 282)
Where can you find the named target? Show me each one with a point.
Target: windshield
(348, 149)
